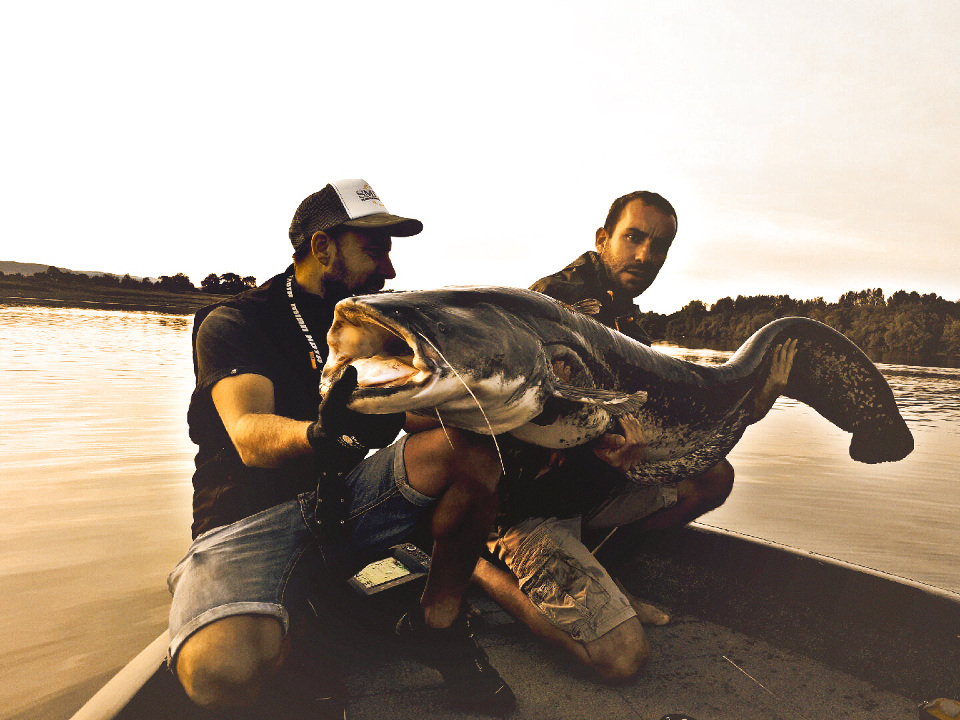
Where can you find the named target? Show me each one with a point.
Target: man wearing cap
(264, 529)
(555, 584)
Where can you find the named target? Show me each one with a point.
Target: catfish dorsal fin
(614, 402)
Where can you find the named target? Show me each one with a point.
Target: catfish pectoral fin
(614, 402)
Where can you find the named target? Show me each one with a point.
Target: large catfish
(483, 359)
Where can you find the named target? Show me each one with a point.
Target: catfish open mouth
(384, 354)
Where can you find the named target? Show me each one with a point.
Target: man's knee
(620, 654)
(224, 664)
(439, 457)
(714, 486)
(474, 456)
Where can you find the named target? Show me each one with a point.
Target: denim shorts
(266, 563)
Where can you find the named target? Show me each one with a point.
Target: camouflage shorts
(560, 575)
(562, 578)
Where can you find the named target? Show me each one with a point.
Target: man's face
(636, 250)
(362, 262)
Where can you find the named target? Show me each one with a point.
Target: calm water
(95, 472)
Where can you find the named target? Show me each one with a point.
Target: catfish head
(463, 354)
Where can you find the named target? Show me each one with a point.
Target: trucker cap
(347, 202)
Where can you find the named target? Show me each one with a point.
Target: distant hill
(10, 267)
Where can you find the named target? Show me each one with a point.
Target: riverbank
(23, 291)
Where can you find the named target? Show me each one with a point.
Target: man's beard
(639, 283)
(337, 289)
(640, 278)
(372, 285)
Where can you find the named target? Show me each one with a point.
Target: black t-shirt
(227, 345)
(257, 333)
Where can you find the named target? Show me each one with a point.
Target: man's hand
(562, 369)
(619, 451)
(776, 380)
(348, 428)
(623, 451)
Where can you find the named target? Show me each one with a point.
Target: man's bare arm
(262, 439)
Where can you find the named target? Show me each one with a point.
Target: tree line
(225, 284)
(907, 325)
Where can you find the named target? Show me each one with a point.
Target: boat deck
(758, 631)
(698, 668)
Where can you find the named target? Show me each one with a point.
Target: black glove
(339, 426)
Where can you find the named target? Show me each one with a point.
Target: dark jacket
(587, 279)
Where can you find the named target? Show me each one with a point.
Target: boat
(758, 630)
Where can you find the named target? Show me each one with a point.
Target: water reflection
(931, 396)
(95, 477)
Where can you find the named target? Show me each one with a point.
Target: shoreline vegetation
(904, 328)
(175, 294)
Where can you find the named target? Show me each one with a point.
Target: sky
(809, 148)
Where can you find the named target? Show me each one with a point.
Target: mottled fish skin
(504, 343)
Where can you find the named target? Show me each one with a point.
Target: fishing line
(466, 387)
(603, 542)
(773, 695)
(444, 428)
